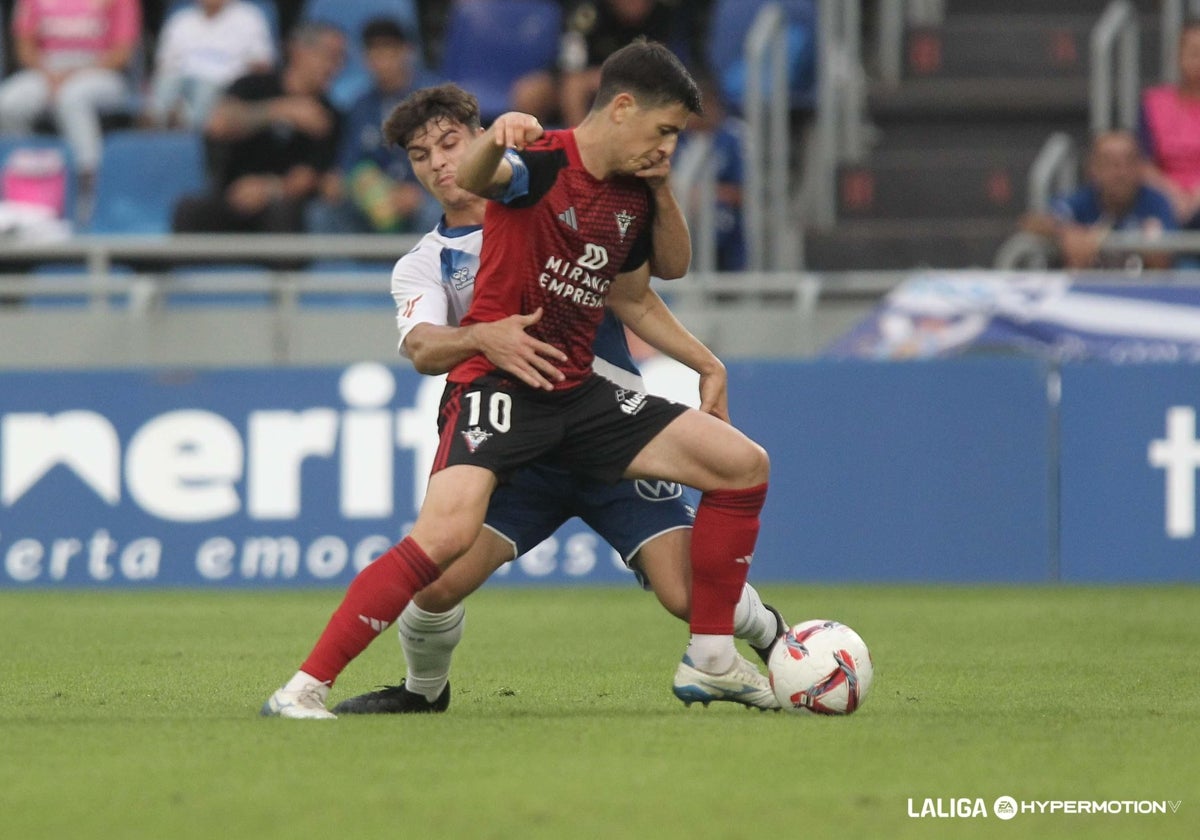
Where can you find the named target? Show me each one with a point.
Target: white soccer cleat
(742, 683)
(304, 702)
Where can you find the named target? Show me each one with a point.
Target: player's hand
(656, 174)
(508, 346)
(714, 393)
(516, 130)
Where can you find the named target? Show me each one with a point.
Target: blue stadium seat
(350, 16)
(141, 176)
(731, 21)
(491, 43)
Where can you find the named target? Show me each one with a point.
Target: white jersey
(434, 283)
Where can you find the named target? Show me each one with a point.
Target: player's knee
(755, 466)
(445, 545)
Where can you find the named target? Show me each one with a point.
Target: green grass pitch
(134, 715)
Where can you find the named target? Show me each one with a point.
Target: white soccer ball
(821, 667)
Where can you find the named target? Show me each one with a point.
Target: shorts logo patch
(658, 490)
(631, 401)
(475, 438)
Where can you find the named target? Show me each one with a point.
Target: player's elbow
(670, 270)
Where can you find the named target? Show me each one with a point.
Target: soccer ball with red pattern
(821, 667)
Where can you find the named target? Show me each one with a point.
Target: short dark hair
(444, 102)
(383, 29)
(652, 74)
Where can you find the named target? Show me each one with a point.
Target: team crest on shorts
(631, 401)
(475, 438)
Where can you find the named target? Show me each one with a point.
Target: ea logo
(658, 491)
(1005, 807)
(595, 257)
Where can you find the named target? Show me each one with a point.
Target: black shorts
(594, 429)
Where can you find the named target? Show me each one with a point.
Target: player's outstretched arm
(483, 169)
(435, 349)
(642, 310)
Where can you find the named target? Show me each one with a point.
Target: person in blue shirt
(1114, 198)
(376, 191)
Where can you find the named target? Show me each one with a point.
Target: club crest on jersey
(624, 220)
(631, 401)
(475, 438)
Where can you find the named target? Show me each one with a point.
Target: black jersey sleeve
(541, 168)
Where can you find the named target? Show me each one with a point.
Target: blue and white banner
(288, 477)
(226, 478)
(1129, 457)
(1050, 316)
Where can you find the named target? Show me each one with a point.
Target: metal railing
(1115, 83)
(767, 146)
(1054, 171)
(840, 132)
(101, 256)
(694, 180)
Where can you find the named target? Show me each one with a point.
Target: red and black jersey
(557, 239)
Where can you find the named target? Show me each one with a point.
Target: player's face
(434, 153)
(647, 136)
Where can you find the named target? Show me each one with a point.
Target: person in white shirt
(204, 47)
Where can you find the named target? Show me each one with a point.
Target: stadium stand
(979, 92)
(488, 66)
(351, 15)
(269, 9)
(727, 30)
(142, 174)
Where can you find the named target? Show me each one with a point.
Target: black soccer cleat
(393, 700)
(781, 627)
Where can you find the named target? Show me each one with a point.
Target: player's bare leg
(665, 561)
(699, 450)
(431, 626)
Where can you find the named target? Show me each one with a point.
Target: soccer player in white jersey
(433, 286)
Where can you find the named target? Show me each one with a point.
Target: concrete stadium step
(1008, 45)
(897, 134)
(1038, 7)
(972, 182)
(900, 244)
(994, 98)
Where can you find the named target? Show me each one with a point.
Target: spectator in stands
(203, 47)
(1115, 198)
(718, 133)
(375, 189)
(1170, 132)
(272, 141)
(593, 32)
(73, 57)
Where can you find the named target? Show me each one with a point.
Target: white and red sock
(723, 538)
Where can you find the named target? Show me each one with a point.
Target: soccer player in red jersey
(569, 233)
